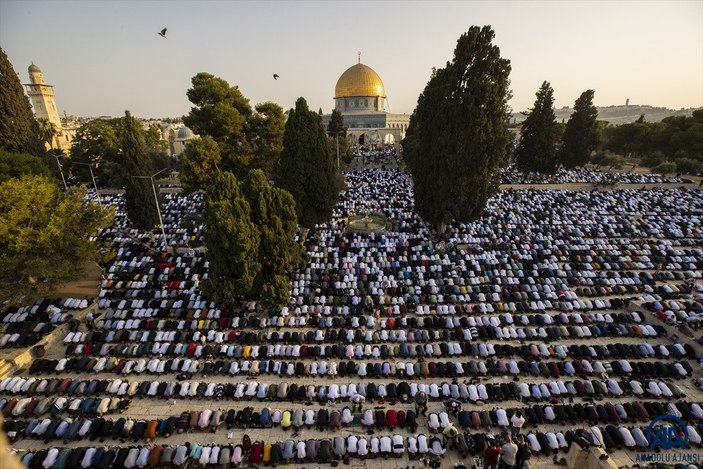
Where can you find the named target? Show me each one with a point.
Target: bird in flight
(162, 33)
(275, 76)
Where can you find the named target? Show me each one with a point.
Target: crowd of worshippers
(379, 153)
(24, 326)
(77, 425)
(503, 291)
(403, 391)
(512, 175)
(611, 434)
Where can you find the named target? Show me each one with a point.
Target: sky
(104, 57)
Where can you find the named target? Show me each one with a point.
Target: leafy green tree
(688, 166)
(266, 128)
(307, 168)
(44, 235)
(139, 195)
(199, 164)
(222, 112)
(248, 139)
(47, 132)
(581, 133)
(97, 142)
(232, 241)
(157, 148)
(537, 150)
(458, 136)
(667, 167)
(338, 133)
(19, 131)
(273, 213)
(16, 165)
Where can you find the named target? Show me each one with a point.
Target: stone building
(361, 98)
(43, 100)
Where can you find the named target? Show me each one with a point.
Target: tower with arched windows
(43, 100)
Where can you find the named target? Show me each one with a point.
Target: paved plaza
(565, 303)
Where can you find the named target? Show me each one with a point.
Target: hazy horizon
(105, 57)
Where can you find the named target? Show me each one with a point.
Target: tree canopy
(232, 240)
(16, 165)
(307, 168)
(537, 149)
(44, 235)
(19, 130)
(99, 142)
(250, 239)
(338, 133)
(458, 137)
(273, 213)
(673, 139)
(581, 132)
(248, 138)
(139, 195)
(200, 164)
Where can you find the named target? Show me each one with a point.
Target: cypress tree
(338, 134)
(19, 130)
(537, 150)
(457, 137)
(307, 168)
(273, 213)
(232, 240)
(581, 133)
(139, 195)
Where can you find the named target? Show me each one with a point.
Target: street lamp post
(92, 177)
(65, 187)
(156, 200)
(336, 138)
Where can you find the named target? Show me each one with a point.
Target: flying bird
(275, 76)
(162, 33)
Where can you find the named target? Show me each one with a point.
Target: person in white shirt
(508, 452)
(386, 445)
(352, 444)
(362, 446)
(516, 423)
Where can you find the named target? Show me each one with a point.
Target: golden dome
(359, 80)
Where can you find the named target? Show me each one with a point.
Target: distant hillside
(617, 115)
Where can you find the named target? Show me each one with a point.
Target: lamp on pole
(92, 177)
(65, 187)
(156, 200)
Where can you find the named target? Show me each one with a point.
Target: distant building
(361, 98)
(181, 137)
(43, 100)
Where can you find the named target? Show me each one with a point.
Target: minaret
(42, 97)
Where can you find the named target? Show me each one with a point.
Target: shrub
(667, 167)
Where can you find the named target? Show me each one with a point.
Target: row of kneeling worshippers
(286, 452)
(323, 419)
(24, 326)
(28, 406)
(400, 369)
(610, 437)
(460, 348)
(512, 175)
(402, 391)
(341, 342)
(118, 325)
